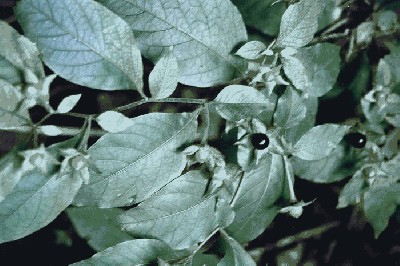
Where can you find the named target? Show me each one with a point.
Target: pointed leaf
(291, 109)
(237, 102)
(17, 54)
(351, 194)
(34, 203)
(50, 130)
(299, 23)
(314, 69)
(251, 50)
(319, 142)
(133, 164)
(259, 190)
(113, 122)
(203, 34)
(83, 42)
(98, 226)
(380, 204)
(164, 77)
(235, 254)
(134, 252)
(68, 103)
(178, 214)
(10, 115)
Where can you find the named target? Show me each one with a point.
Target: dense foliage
(222, 109)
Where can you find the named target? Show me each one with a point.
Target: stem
(65, 131)
(324, 38)
(207, 124)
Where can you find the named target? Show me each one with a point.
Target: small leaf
(179, 205)
(113, 122)
(235, 254)
(319, 142)
(299, 23)
(314, 69)
(50, 130)
(258, 191)
(98, 226)
(251, 50)
(236, 102)
(291, 109)
(164, 77)
(131, 165)
(10, 114)
(387, 20)
(83, 42)
(68, 103)
(351, 194)
(17, 55)
(34, 203)
(203, 34)
(134, 252)
(365, 33)
(380, 204)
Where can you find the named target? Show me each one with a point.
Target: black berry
(259, 141)
(357, 140)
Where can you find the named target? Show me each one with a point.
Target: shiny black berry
(357, 140)
(259, 141)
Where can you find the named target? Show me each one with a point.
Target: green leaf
(314, 69)
(49, 130)
(68, 103)
(203, 34)
(83, 42)
(387, 20)
(236, 102)
(34, 203)
(258, 191)
(379, 205)
(10, 172)
(263, 15)
(98, 226)
(163, 78)
(134, 252)
(351, 194)
(319, 142)
(327, 170)
(235, 254)
(180, 205)
(299, 23)
(330, 13)
(251, 50)
(17, 55)
(290, 110)
(133, 164)
(388, 73)
(113, 122)
(365, 33)
(10, 114)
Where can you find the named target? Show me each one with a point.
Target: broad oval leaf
(10, 114)
(203, 34)
(314, 69)
(17, 54)
(98, 226)
(319, 142)
(83, 42)
(163, 79)
(236, 102)
(258, 191)
(299, 23)
(291, 109)
(113, 122)
(251, 50)
(235, 254)
(178, 214)
(134, 252)
(34, 203)
(133, 164)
